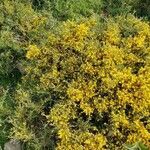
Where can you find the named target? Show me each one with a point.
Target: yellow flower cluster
(112, 33)
(33, 52)
(74, 34)
(101, 81)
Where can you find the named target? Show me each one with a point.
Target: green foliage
(70, 9)
(66, 9)
(136, 146)
(6, 110)
(19, 25)
(117, 7)
(142, 8)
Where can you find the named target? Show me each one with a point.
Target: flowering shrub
(75, 84)
(88, 85)
(19, 25)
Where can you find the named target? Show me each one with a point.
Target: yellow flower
(139, 41)
(33, 52)
(75, 94)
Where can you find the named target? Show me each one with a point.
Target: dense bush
(88, 85)
(74, 84)
(70, 9)
(19, 26)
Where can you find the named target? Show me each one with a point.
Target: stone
(12, 145)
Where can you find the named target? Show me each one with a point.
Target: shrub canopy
(74, 84)
(91, 81)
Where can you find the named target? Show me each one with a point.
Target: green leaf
(136, 146)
